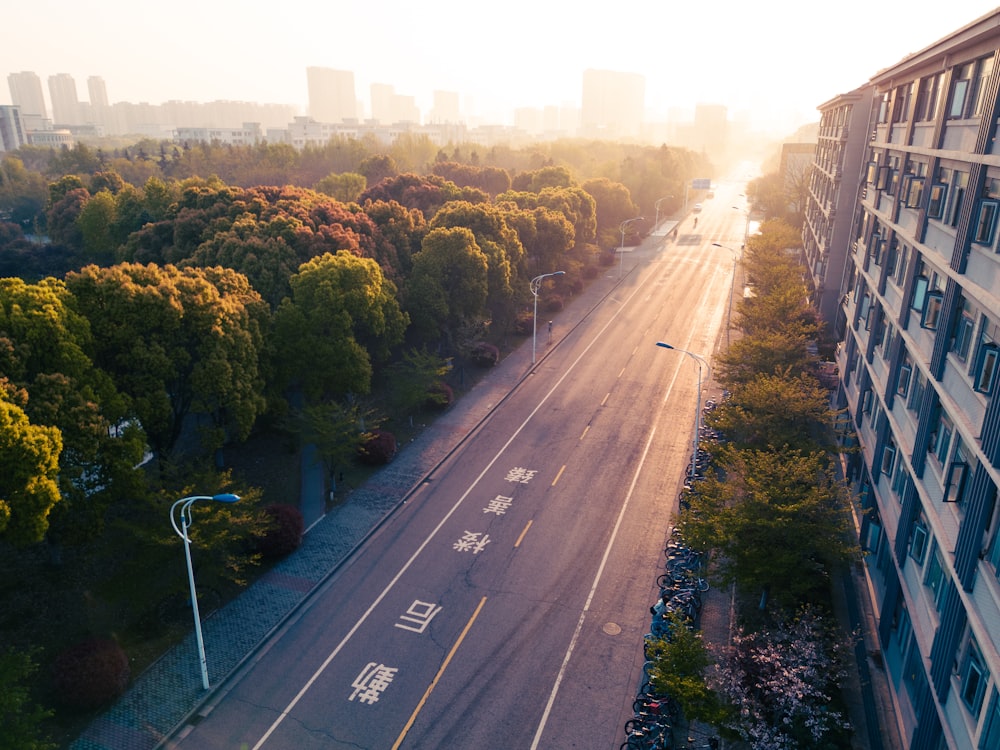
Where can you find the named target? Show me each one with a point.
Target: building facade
(919, 371)
(65, 102)
(12, 135)
(612, 104)
(832, 184)
(332, 97)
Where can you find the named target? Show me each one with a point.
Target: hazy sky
(777, 58)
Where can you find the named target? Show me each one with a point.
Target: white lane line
(378, 600)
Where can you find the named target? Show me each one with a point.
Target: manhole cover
(612, 628)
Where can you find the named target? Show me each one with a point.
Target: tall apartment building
(331, 95)
(26, 93)
(919, 370)
(12, 135)
(832, 184)
(65, 103)
(613, 104)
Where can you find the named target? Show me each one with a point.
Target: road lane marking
(585, 431)
(605, 399)
(590, 596)
(444, 666)
(521, 538)
(284, 713)
(559, 474)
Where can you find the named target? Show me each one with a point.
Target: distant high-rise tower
(331, 95)
(98, 92)
(612, 103)
(65, 104)
(445, 107)
(383, 96)
(26, 93)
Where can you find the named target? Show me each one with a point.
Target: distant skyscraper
(331, 95)
(445, 107)
(711, 130)
(382, 103)
(26, 93)
(65, 104)
(612, 103)
(98, 92)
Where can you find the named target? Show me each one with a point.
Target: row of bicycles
(681, 585)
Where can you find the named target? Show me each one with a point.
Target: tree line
(151, 308)
(773, 516)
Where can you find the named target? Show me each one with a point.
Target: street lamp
(184, 516)
(536, 284)
(697, 416)
(656, 224)
(746, 228)
(732, 285)
(621, 250)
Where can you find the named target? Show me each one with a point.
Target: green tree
(21, 719)
(345, 187)
(29, 470)
(773, 411)
(777, 520)
(45, 349)
(95, 222)
(342, 317)
(178, 342)
(414, 377)
(679, 667)
(448, 284)
(614, 205)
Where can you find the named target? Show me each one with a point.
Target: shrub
(524, 323)
(379, 449)
(90, 674)
(591, 272)
(484, 354)
(575, 285)
(440, 396)
(607, 259)
(554, 303)
(282, 533)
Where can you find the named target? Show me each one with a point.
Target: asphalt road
(504, 605)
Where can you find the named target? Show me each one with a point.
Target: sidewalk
(163, 698)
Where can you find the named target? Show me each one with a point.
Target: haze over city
(772, 62)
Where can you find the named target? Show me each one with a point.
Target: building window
(935, 203)
(920, 292)
(928, 98)
(935, 577)
(899, 479)
(960, 181)
(954, 486)
(903, 259)
(965, 325)
(888, 457)
(940, 439)
(903, 380)
(917, 392)
(991, 732)
(913, 191)
(932, 310)
(986, 222)
(973, 677)
(960, 85)
(918, 542)
(987, 368)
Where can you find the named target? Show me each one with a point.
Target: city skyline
(754, 60)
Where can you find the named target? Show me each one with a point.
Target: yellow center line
(434, 682)
(558, 475)
(521, 538)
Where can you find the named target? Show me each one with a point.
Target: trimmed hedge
(283, 530)
(440, 396)
(90, 674)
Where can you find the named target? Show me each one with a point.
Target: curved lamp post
(536, 284)
(656, 223)
(732, 285)
(621, 250)
(181, 521)
(746, 227)
(697, 415)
